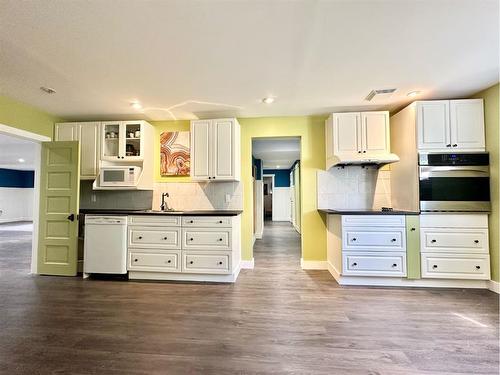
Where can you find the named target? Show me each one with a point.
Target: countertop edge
(145, 213)
(348, 212)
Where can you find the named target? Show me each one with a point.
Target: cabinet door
(375, 132)
(346, 133)
(66, 131)
(133, 140)
(223, 149)
(89, 149)
(433, 125)
(467, 124)
(200, 149)
(111, 139)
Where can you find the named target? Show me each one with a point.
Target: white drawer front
(155, 220)
(206, 239)
(377, 239)
(154, 262)
(154, 237)
(202, 262)
(370, 264)
(455, 266)
(374, 220)
(454, 221)
(207, 221)
(454, 240)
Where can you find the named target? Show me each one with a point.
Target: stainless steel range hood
(365, 159)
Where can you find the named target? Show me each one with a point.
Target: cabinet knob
(359, 152)
(412, 229)
(165, 238)
(354, 264)
(213, 178)
(220, 221)
(476, 241)
(169, 261)
(455, 145)
(118, 157)
(191, 239)
(394, 265)
(434, 266)
(136, 260)
(364, 152)
(449, 145)
(191, 262)
(478, 267)
(220, 263)
(393, 240)
(433, 241)
(209, 178)
(191, 221)
(353, 239)
(140, 237)
(220, 239)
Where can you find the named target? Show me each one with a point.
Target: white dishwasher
(105, 244)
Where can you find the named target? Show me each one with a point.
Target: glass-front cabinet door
(122, 141)
(111, 142)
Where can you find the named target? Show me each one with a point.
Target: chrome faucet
(164, 204)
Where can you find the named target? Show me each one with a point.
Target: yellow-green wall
(26, 117)
(311, 131)
(491, 118)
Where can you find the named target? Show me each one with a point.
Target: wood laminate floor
(275, 319)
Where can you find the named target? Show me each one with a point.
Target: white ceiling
(190, 58)
(276, 153)
(13, 149)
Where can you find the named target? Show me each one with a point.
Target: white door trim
(37, 139)
(263, 196)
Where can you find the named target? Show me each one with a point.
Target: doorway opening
(277, 209)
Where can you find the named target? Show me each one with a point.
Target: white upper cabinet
(88, 135)
(215, 150)
(445, 125)
(467, 124)
(356, 136)
(375, 132)
(123, 141)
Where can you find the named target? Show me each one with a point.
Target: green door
(59, 196)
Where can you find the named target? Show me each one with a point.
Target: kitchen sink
(170, 212)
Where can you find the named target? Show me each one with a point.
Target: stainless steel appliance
(454, 182)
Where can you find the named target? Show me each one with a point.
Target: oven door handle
(459, 171)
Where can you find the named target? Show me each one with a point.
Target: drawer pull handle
(394, 265)
(476, 241)
(434, 266)
(354, 239)
(354, 264)
(413, 229)
(136, 260)
(140, 237)
(448, 145)
(478, 267)
(191, 239)
(191, 221)
(220, 221)
(165, 238)
(455, 145)
(393, 240)
(433, 241)
(359, 152)
(220, 239)
(169, 261)
(191, 262)
(220, 263)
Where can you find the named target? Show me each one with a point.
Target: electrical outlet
(228, 198)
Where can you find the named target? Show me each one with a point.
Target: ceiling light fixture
(382, 92)
(48, 90)
(136, 105)
(21, 160)
(411, 94)
(268, 100)
(277, 166)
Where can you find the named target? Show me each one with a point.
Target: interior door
(200, 149)
(346, 133)
(223, 159)
(467, 124)
(433, 123)
(375, 132)
(59, 194)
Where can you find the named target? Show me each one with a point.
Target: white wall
(16, 204)
(281, 204)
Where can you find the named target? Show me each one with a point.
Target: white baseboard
(258, 235)
(494, 286)
(402, 282)
(247, 264)
(313, 264)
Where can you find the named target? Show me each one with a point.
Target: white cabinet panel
(140, 260)
(207, 238)
(223, 166)
(369, 264)
(202, 262)
(433, 125)
(346, 133)
(89, 149)
(375, 132)
(454, 240)
(454, 220)
(375, 239)
(123, 140)
(154, 237)
(66, 131)
(155, 220)
(374, 220)
(455, 266)
(201, 158)
(467, 124)
(207, 221)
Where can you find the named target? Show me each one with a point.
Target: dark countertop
(367, 212)
(151, 212)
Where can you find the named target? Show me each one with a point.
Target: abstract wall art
(175, 159)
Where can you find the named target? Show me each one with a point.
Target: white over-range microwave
(124, 176)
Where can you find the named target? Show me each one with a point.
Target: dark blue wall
(281, 177)
(258, 165)
(16, 179)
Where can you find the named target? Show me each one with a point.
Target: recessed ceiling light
(48, 90)
(21, 160)
(136, 105)
(277, 166)
(268, 100)
(411, 94)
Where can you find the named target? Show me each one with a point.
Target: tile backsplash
(200, 195)
(354, 187)
(114, 199)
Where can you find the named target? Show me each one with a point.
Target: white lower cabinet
(369, 264)
(455, 246)
(199, 248)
